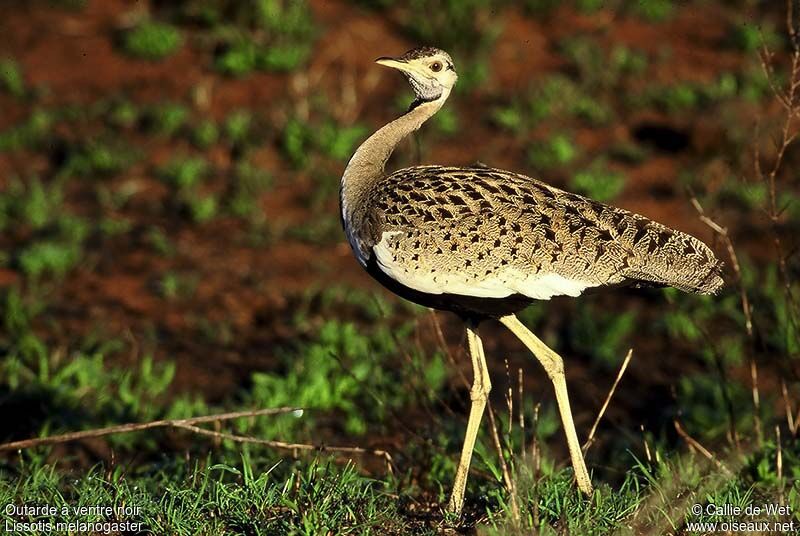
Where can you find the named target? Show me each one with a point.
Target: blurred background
(171, 247)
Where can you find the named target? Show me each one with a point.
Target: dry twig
(622, 369)
(190, 425)
(509, 482)
(693, 443)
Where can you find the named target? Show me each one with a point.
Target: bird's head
(429, 70)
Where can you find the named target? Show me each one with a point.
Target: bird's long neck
(368, 163)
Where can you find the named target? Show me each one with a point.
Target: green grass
(264, 496)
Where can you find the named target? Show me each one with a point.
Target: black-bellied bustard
(484, 243)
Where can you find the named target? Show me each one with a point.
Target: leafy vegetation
(11, 79)
(152, 40)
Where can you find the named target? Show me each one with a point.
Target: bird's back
(489, 233)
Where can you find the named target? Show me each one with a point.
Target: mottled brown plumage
(485, 242)
(470, 224)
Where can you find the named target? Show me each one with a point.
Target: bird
(485, 243)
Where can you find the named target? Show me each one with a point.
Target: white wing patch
(501, 283)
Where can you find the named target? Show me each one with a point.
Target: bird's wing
(490, 233)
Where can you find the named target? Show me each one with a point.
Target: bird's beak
(394, 63)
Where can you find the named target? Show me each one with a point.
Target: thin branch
(510, 485)
(287, 446)
(602, 412)
(723, 232)
(693, 443)
(756, 401)
(646, 445)
(746, 309)
(521, 414)
(437, 327)
(779, 461)
(136, 427)
(788, 408)
(190, 425)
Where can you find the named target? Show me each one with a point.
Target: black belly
(468, 307)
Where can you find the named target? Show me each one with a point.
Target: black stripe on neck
(422, 100)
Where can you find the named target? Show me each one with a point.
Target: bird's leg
(479, 394)
(554, 366)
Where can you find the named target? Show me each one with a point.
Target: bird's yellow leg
(554, 366)
(479, 394)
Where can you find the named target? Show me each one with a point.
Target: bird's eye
(436, 66)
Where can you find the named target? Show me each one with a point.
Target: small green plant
(301, 140)
(184, 172)
(175, 286)
(30, 203)
(57, 252)
(152, 40)
(238, 126)
(11, 78)
(549, 97)
(749, 37)
(296, 142)
(653, 10)
(29, 133)
(96, 158)
(205, 134)
(626, 61)
(48, 257)
(281, 42)
(591, 110)
(166, 119)
(123, 114)
(249, 182)
(238, 58)
(338, 141)
(683, 96)
(111, 227)
(598, 182)
(159, 241)
(554, 152)
(508, 117)
(202, 207)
